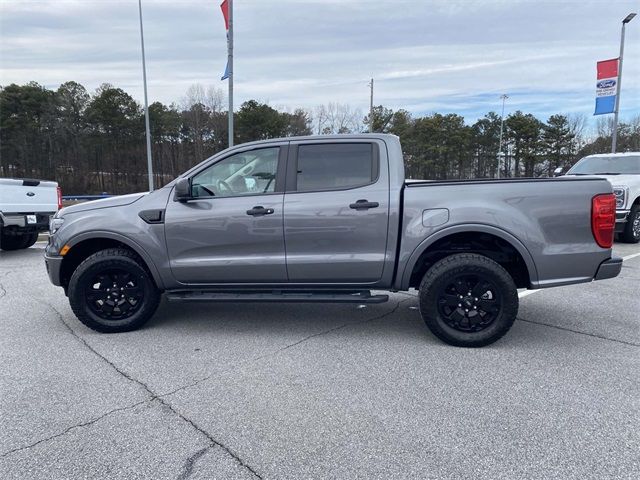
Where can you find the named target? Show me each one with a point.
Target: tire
(112, 292)
(448, 309)
(631, 233)
(32, 238)
(15, 242)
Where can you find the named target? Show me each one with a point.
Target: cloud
(450, 56)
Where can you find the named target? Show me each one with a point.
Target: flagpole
(146, 104)
(230, 64)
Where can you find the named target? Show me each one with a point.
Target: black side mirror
(183, 189)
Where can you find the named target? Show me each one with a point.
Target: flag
(224, 6)
(226, 72)
(606, 86)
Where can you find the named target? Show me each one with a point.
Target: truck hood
(118, 201)
(619, 180)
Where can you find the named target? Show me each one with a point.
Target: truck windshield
(607, 165)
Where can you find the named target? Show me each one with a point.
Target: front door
(336, 212)
(231, 230)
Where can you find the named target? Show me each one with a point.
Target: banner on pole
(606, 86)
(224, 6)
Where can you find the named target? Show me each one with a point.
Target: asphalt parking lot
(319, 391)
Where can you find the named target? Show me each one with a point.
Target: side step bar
(363, 296)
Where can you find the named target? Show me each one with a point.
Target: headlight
(55, 224)
(621, 195)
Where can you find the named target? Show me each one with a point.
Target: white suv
(623, 171)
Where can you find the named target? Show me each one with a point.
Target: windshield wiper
(606, 173)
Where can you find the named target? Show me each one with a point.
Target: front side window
(247, 173)
(335, 166)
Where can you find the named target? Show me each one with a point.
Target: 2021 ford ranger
(327, 219)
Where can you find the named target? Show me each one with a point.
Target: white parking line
(629, 257)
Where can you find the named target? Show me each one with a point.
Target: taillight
(603, 218)
(59, 197)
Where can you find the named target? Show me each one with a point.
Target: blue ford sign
(610, 82)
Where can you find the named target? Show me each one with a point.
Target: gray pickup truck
(328, 219)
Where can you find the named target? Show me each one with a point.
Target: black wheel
(15, 242)
(631, 233)
(111, 292)
(32, 238)
(468, 300)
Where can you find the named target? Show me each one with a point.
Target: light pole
(500, 152)
(371, 108)
(146, 103)
(614, 139)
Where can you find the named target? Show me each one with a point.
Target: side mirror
(558, 172)
(183, 189)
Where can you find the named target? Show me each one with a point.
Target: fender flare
(97, 234)
(468, 228)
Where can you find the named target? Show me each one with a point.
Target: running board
(277, 296)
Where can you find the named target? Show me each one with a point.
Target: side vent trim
(152, 216)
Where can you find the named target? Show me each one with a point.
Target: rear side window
(335, 166)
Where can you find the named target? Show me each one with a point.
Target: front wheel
(631, 233)
(468, 300)
(112, 292)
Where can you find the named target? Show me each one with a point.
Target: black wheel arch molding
(125, 241)
(403, 280)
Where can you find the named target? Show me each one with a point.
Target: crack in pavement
(159, 397)
(594, 335)
(152, 395)
(72, 427)
(286, 347)
(190, 463)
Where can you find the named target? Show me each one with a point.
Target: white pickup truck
(623, 171)
(25, 209)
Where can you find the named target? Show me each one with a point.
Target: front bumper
(54, 267)
(609, 268)
(621, 220)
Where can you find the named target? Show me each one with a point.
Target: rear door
(336, 211)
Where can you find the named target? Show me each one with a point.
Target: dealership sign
(606, 86)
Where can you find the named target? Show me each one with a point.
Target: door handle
(364, 205)
(259, 210)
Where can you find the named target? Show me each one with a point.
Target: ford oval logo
(606, 83)
(30, 194)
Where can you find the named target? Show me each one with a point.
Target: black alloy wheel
(468, 300)
(114, 294)
(469, 303)
(112, 291)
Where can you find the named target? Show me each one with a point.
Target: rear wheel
(112, 292)
(15, 242)
(468, 300)
(631, 233)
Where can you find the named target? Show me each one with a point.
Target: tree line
(93, 143)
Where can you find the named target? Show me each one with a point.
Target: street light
(501, 155)
(614, 139)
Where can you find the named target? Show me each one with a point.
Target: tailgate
(28, 196)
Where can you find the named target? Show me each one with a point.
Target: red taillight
(603, 218)
(59, 197)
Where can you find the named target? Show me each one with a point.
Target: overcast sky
(431, 55)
